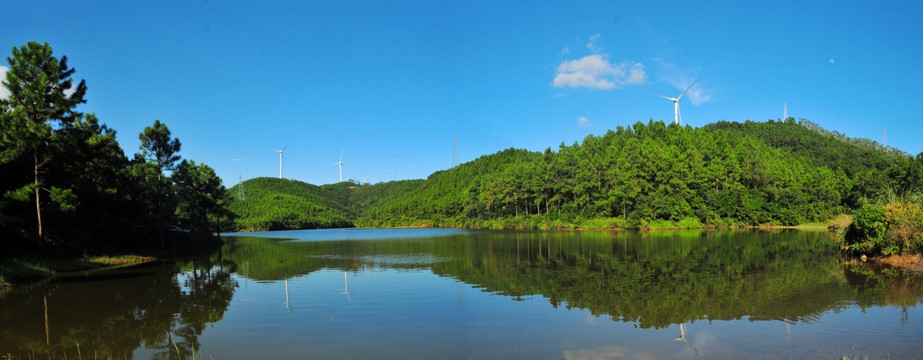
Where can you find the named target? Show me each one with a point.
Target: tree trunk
(38, 203)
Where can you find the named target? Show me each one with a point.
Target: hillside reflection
(651, 279)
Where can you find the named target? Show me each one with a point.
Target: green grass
(813, 224)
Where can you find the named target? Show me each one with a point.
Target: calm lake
(457, 294)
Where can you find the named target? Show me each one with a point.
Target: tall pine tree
(42, 100)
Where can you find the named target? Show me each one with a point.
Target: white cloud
(4, 92)
(596, 72)
(831, 60)
(636, 74)
(583, 121)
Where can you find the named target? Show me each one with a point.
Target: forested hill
(648, 174)
(819, 146)
(274, 204)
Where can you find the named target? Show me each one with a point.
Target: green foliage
(868, 222)
(649, 175)
(68, 169)
(893, 228)
(37, 108)
(276, 204)
(158, 147)
(200, 197)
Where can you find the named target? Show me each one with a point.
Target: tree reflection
(652, 279)
(113, 313)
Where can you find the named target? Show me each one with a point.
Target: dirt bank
(906, 262)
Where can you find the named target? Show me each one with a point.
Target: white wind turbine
(280, 159)
(675, 101)
(340, 163)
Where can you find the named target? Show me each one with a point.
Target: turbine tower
(280, 159)
(675, 101)
(340, 163)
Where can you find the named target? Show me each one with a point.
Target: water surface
(446, 293)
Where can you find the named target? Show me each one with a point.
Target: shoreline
(912, 263)
(906, 262)
(15, 272)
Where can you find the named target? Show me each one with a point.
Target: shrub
(690, 223)
(891, 229)
(868, 223)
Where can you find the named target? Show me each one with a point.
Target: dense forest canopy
(67, 185)
(726, 173)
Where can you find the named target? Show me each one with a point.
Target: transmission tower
(454, 152)
(240, 186)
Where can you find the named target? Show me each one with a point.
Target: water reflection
(647, 281)
(651, 279)
(163, 307)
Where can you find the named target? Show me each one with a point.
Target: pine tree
(42, 100)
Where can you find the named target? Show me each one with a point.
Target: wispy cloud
(831, 60)
(696, 94)
(680, 79)
(595, 71)
(583, 121)
(592, 44)
(4, 92)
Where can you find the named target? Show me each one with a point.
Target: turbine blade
(668, 98)
(341, 155)
(687, 89)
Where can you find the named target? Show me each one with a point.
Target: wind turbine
(675, 101)
(341, 165)
(682, 337)
(280, 159)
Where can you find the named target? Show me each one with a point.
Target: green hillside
(275, 204)
(660, 175)
(646, 175)
(816, 145)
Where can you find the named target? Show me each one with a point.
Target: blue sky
(390, 84)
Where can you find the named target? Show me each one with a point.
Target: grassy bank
(13, 271)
